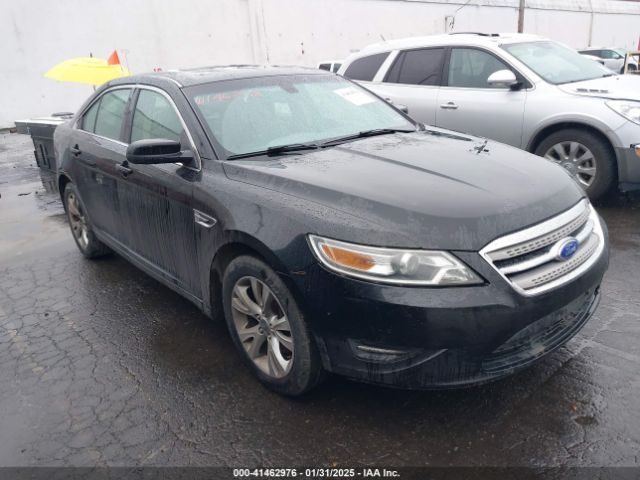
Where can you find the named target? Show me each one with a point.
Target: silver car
(612, 58)
(523, 90)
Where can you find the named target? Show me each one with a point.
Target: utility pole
(521, 17)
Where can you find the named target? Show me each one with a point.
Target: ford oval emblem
(566, 248)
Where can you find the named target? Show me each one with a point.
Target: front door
(468, 104)
(160, 222)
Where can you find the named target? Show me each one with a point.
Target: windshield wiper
(365, 133)
(294, 147)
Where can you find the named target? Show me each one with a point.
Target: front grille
(530, 259)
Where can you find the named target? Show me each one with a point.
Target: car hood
(428, 189)
(623, 87)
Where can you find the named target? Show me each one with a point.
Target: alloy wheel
(262, 326)
(576, 158)
(78, 221)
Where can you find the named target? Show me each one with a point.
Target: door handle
(75, 151)
(124, 170)
(449, 106)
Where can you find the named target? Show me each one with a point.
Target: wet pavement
(102, 365)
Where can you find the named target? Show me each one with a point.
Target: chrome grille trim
(528, 260)
(581, 236)
(543, 240)
(553, 270)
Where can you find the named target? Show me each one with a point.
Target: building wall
(36, 35)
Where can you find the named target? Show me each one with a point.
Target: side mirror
(157, 150)
(502, 78)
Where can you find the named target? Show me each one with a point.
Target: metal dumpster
(41, 130)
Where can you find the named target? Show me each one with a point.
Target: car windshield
(620, 51)
(254, 114)
(556, 63)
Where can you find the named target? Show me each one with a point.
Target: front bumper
(441, 337)
(626, 137)
(628, 167)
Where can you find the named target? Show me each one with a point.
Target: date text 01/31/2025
(315, 473)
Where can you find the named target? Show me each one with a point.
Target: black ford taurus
(331, 231)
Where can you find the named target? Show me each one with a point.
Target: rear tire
(268, 328)
(81, 229)
(585, 155)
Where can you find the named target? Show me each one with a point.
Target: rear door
(98, 148)
(467, 103)
(413, 80)
(160, 222)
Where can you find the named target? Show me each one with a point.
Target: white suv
(612, 58)
(523, 90)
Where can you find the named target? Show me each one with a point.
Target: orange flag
(113, 58)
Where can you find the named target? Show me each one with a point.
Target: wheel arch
(547, 130)
(63, 180)
(238, 243)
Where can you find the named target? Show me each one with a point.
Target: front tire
(586, 156)
(81, 230)
(268, 328)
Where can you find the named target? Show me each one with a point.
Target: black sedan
(331, 231)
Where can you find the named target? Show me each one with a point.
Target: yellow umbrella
(94, 71)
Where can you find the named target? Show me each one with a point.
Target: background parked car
(612, 58)
(523, 90)
(330, 65)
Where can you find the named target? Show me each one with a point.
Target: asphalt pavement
(102, 365)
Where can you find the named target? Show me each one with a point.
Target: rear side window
(89, 118)
(111, 113)
(417, 67)
(155, 117)
(325, 66)
(365, 68)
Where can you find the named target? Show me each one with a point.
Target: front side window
(556, 63)
(251, 115)
(365, 68)
(470, 68)
(417, 67)
(155, 117)
(336, 67)
(620, 52)
(110, 116)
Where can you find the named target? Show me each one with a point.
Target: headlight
(391, 265)
(629, 110)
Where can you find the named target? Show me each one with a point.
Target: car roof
(463, 38)
(217, 73)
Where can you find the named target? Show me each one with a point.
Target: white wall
(37, 34)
